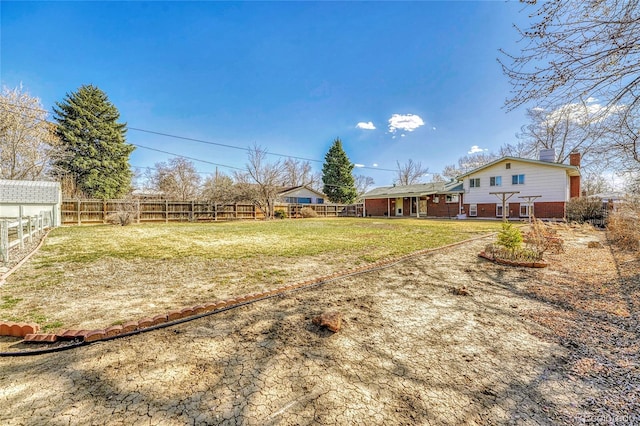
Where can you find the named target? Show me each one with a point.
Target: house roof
(290, 189)
(29, 192)
(416, 190)
(571, 170)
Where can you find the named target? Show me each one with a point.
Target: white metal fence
(15, 231)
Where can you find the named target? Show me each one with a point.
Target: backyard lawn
(96, 276)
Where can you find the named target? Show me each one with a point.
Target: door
(399, 206)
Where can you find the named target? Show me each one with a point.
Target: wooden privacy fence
(78, 212)
(14, 231)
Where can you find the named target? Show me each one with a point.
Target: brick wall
(544, 210)
(378, 207)
(549, 210)
(441, 208)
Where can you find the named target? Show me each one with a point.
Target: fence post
(20, 232)
(79, 219)
(166, 211)
(30, 228)
(4, 241)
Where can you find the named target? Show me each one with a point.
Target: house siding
(550, 182)
(30, 198)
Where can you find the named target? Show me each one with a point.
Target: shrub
(125, 214)
(280, 214)
(308, 212)
(521, 254)
(510, 237)
(584, 209)
(623, 226)
(541, 238)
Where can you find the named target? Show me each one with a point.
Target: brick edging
(190, 313)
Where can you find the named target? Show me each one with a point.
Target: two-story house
(517, 187)
(521, 187)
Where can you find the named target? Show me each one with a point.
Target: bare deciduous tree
(298, 172)
(362, 184)
(262, 181)
(410, 172)
(575, 49)
(467, 163)
(437, 177)
(220, 189)
(178, 179)
(28, 144)
(567, 128)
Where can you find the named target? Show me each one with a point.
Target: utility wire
(187, 157)
(153, 132)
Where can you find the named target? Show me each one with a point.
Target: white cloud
(366, 126)
(403, 135)
(375, 164)
(358, 165)
(433, 128)
(588, 113)
(404, 122)
(475, 149)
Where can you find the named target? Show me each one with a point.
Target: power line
(195, 140)
(187, 157)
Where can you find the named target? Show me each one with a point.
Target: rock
(330, 320)
(594, 244)
(461, 291)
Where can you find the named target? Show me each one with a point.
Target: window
(304, 200)
(320, 201)
(508, 166)
(495, 181)
(473, 210)
(517, 179)
(499, 210)
(451, 198)
(474, 183)
(436, 199)
(524, 210)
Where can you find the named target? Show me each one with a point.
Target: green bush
(510, 237)
(280, 214)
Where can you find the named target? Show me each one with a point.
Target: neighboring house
(528, 186)
(436, 199)
(301, 194)
(30, 198)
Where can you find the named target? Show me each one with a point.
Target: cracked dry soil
(410, 352)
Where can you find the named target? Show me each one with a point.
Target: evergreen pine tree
(339, 184)
(97, 155)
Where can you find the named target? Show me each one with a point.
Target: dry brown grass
(624, 225)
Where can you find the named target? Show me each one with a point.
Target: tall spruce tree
(339, 184)
(97, 155)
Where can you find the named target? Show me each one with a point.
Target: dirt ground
(552, 346)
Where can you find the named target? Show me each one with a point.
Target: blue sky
(394, 80)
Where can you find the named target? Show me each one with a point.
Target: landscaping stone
(329, 320)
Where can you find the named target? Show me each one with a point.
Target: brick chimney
(574, 159)
(574, 181)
